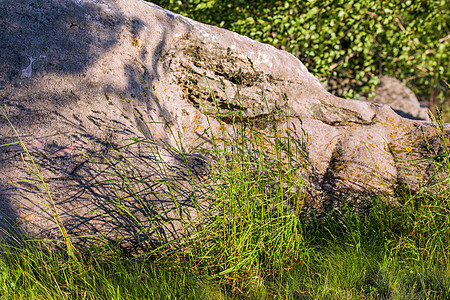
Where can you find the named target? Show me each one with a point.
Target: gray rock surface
(81, 80)
(399, 97)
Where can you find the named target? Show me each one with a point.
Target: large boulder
(82, 81)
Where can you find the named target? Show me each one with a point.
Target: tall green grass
(254, 243)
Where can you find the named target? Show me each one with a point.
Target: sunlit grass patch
(253, 244)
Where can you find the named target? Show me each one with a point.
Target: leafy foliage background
(354, 39)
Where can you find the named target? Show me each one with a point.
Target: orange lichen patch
(135, 43)
(392, 135)
(408, 149)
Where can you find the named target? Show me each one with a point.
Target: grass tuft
(252, 244)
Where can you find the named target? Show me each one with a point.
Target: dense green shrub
(359, 39)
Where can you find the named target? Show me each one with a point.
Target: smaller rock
(399, 97)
